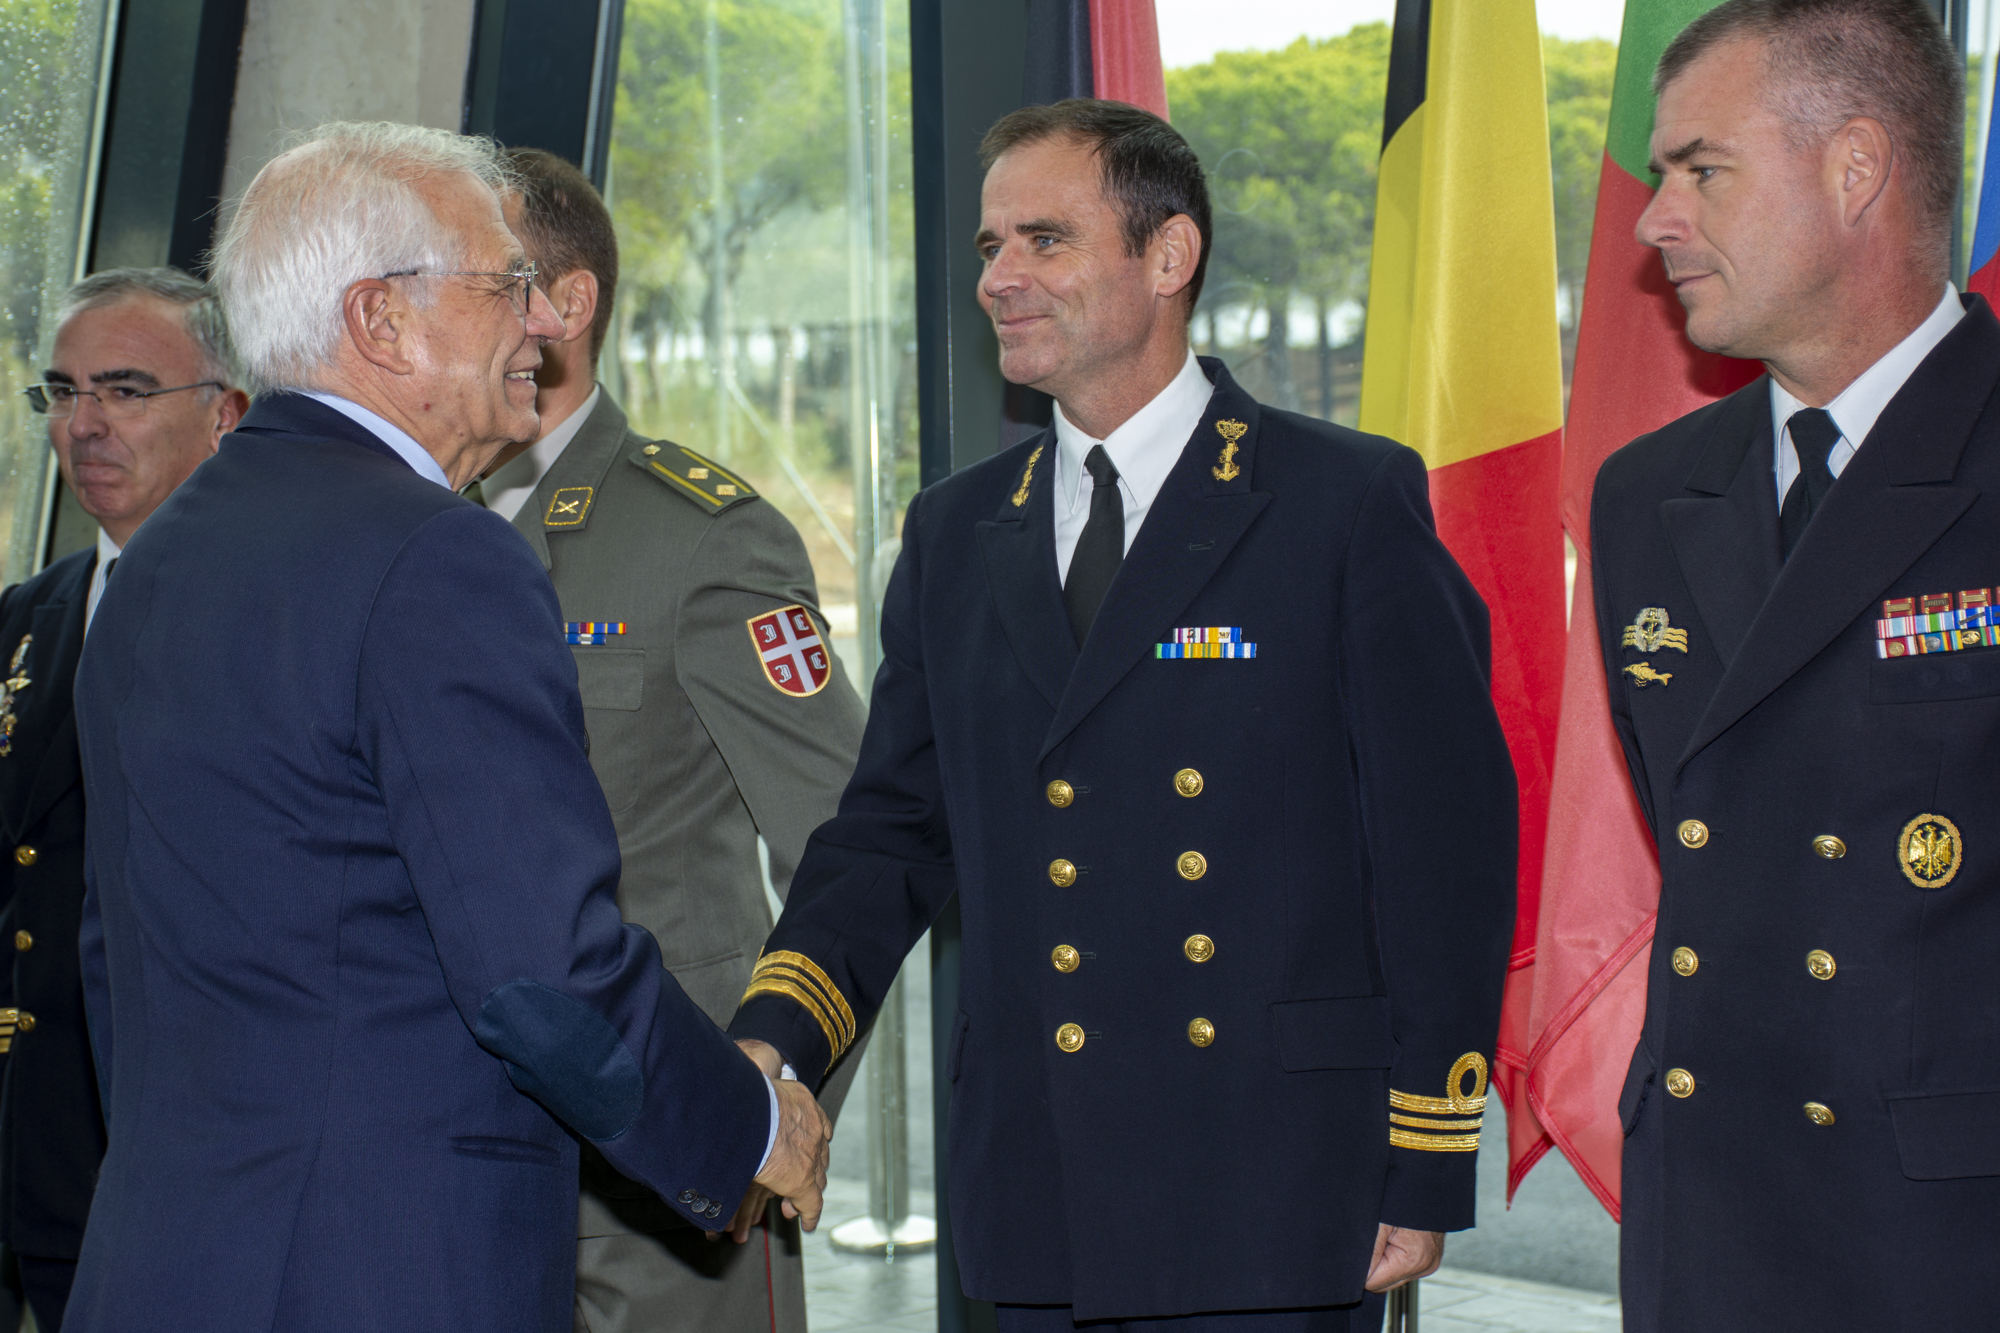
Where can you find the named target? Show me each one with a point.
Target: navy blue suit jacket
(354, 969)
(1354, 821)
(51, 1128)
(1783, 725)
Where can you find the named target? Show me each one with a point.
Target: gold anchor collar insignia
(1231, 432)
(1642, 675)
(1028, 476)
(17, 680)
(1649, 632)
(568, 507)
(1930, 851)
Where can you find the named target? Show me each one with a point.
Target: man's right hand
(796, 1171)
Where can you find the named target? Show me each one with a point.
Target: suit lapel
(1892, 503)
(578, 472)
(59, 623)
(1018, 545)
(1193, 525)
(1726, 539)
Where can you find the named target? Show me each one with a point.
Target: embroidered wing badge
(790, 650)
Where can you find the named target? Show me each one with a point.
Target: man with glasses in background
(352, 958)
(672, 572)
(139, 390)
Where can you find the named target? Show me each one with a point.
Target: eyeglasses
(115, 400)
(520, 279)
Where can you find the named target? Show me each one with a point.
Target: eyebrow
(126, 376)
(1033, 227)
(1692, 148)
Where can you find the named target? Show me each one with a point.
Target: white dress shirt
(1855, 410)
(1144, 450)
(107, 551)
(389, 433)
(508, 487)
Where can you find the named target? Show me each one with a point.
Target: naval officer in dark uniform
(139, 390)
(1187, 702)
(1794, 588)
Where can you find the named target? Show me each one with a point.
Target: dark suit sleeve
(875, 875)
(1440, 818)
(1608, 642)
(790, 756)
(469, 721)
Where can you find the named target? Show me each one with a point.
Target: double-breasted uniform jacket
(670, 559)
(51, 1126)
(348, 1033)
(1236, 877)
(1813, 1110)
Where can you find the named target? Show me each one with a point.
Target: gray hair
(342, 205)
(1832, 60)
(195, 298)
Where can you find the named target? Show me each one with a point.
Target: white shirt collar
(509, 485)
(1861, 403)
(1144, 449)
(388, 432)
(107, 551)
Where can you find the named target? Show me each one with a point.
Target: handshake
(796, 1171)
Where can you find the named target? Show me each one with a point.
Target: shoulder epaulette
(704, 483)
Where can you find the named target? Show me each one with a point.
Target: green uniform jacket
(698, 750)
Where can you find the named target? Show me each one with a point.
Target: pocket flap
(610, 677)
(1933, 678)
(1948, 1136)
(1349, 1033)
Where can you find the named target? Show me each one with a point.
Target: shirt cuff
(771, 1139)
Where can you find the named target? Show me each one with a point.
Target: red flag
(1125, 54)
(1635, 371)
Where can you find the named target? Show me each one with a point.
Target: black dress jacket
(51, 1125)
(1813, 1111)
(1217, 903)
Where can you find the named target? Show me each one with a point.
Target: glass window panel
(51, 50)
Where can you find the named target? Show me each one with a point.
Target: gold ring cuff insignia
(1418, 1122)
(1406, 1138)
(794, 974)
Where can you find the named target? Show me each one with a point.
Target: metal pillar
(1403, 1309)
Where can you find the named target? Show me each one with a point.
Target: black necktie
(1813, 438)
(1101, 547)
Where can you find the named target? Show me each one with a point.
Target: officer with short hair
(139, 389)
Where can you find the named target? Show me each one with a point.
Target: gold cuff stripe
(1454, 1126)
(806, 967)
(1404, 1138)
(1409, 1101)
(796, 976)
(808, 1002)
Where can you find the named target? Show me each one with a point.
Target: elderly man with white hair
(355, 974)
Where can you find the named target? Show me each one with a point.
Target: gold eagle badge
(1930, 851)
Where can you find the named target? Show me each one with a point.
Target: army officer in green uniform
(717, 713)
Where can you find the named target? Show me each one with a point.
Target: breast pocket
(1934, 678)
(612, 682)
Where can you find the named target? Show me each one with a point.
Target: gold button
(1187, 782)
(1693, 833)
(27, 1021)
(26, 856)
(1680, 1082)
(1065, 957)
(1199, 948)
(1062, 872)
(1820, 963)
(1069, 1038)
(23, 941)
(1819, 1113)
(1061, 794)
(1193, 865)
(1201, 1032)
(1686, 961)
(650, 450)
(1829, 846)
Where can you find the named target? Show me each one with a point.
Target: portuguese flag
(1985, 265)
(1635, 371)
(1463, 364)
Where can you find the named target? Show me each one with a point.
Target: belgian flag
(1635, 372)
(1463, 364)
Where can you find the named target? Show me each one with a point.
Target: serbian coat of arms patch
(790, 651)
